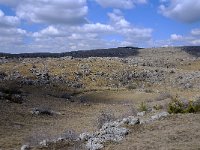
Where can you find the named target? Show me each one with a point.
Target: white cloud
(97, 28)
(49, 31)
(91, 35)
(131, 33)
(50, 11)
(117, 19)
(182, 40)
(10, 34)
(60, 34)
(125, 4)
(176, 37)
(196, 32)
(7, 21)
(195, 42)
(182, 10)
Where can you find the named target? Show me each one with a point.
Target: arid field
(48, 103)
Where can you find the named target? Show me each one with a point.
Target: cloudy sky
(66, 25)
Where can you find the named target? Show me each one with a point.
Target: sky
(69, 25)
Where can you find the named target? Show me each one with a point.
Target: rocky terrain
(122, 98)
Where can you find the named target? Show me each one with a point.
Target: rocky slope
(44, 97)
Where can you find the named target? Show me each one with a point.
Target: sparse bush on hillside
(143, 107)
(178, 106)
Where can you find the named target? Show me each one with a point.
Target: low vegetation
(178, 106)
(143, 106)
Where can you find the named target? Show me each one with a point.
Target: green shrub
(143, 107)
(178, 106)
(190, 108)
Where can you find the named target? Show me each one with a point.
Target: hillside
(44, 96)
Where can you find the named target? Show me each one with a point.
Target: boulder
(85, 136)
(25, 147)
(159, 115)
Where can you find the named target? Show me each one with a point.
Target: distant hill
(111, 52)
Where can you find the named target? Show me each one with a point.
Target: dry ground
(18, 125)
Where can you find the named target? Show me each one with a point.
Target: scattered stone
(44, 111)
(113, 131)
(92, 145)
(16, 98)
(44, 143)
(26, 147)
(141, 114)
(159, 115)
(66, 96)
(85, 136)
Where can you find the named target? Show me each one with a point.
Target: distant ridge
(111, 52)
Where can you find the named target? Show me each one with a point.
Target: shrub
(191, 108)
(143, 107)
(178, 106)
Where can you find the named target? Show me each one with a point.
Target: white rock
(111, 124)
(44, 143)
(125, 121)
(94, 146)
(160, 115)
(85, 136)
(25, 147)
(133, 120)
(141, 114)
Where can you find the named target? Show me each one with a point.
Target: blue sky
(67, 25)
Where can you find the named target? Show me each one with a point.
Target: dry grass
(17, 123)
